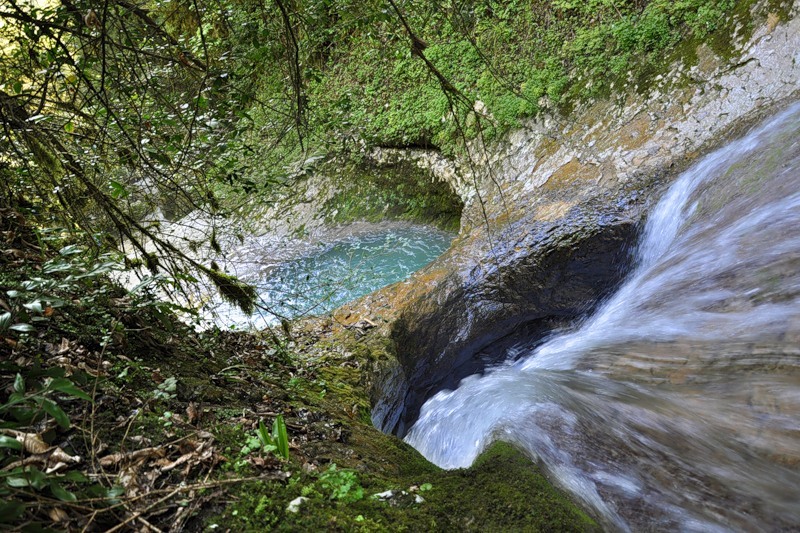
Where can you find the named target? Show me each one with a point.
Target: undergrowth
(516, 58)
(114, 415)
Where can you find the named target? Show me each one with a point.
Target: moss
(503, 491)
(510, 58)
(396, 192)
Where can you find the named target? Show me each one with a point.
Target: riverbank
(142, 423)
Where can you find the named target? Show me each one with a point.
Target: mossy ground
(502, 491)
(171, 432)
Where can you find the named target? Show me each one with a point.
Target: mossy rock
(503, 491)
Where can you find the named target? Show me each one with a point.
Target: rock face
(538, 276)
(546, 233)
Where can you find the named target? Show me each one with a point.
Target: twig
(137, 515)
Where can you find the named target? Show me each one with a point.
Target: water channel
(676, 405)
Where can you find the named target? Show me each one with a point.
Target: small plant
(166, 389)
(28, 404)
(30, 465)
(342, 485)
(278, 440)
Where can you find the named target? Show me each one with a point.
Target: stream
(676, 405)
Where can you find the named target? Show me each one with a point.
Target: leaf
(5, 320)
(118, 190)
(17, 87)
(69, 127)
(22, 327)
(279, 436)
(71, 249)
(60, 492)
(263, 435)
(11, 511)
(30, 477)
(19, 384)
(67, 387)
(10, 442)
(31, 442)
(75, 477)
(160, 157)
(51, 408)
(34, 306)
(56, 266)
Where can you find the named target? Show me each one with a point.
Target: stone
(294, 505)
(521, 267)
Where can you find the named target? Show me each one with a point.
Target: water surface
(327, 276)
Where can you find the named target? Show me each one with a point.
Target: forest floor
(114, 415)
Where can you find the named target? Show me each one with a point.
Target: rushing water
(334, 274)
(676, 406)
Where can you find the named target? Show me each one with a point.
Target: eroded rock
(545, 234)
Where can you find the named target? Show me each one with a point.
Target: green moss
(398, 192)
(503, 491)
(510, 56)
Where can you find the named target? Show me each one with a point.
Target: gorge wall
(551, 211)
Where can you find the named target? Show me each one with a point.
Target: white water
(676, 406)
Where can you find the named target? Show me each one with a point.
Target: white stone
(294, 505)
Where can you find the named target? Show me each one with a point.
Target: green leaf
(60, 492)
(72, 249)
(113, 493)
(22, 327)
(160, 157)
(279, 436)
(263, 434)
(11, 511)
(67, 387)
(30, 477)
(10, 442)
(19, 384)
(34, 307)
(17, 87)
(75, 477)
(51, 408)
(69, 127)
(5, 320)
(118, 190)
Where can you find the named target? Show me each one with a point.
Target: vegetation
(113, 115)
(118, 116)
(115, 415)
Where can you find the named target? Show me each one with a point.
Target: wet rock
(544, 235)
(539, 275)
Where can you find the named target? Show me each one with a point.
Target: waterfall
(676, 405)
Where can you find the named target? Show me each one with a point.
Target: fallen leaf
(58, 515)
(31, 442)
(132, 457)
(193, 413)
